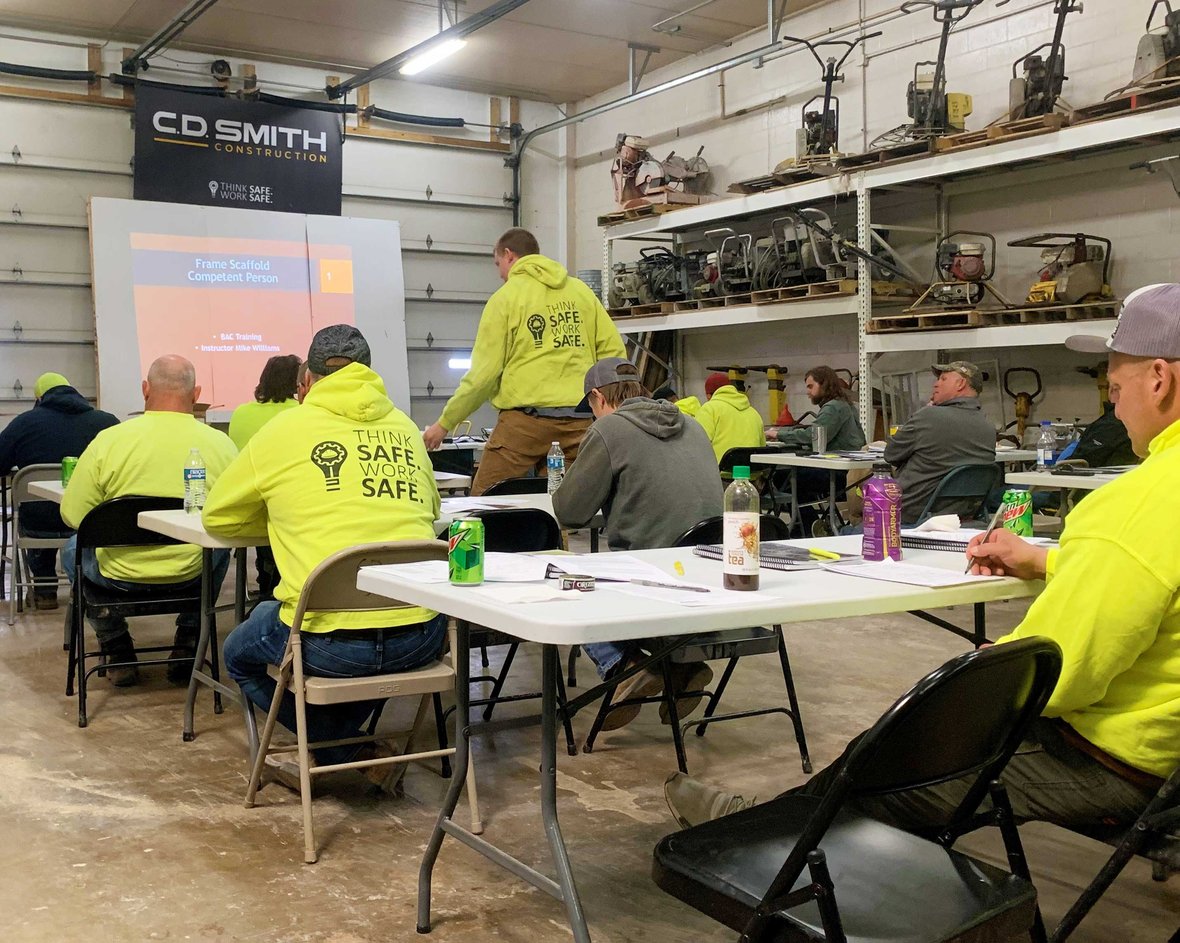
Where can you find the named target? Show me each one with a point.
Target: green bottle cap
(741, 471)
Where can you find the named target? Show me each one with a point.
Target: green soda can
(68, 464)
(465, 551)
(1016, 512)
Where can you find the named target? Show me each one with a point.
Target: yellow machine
(776, 389)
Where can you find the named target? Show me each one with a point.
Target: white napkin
(942, 522)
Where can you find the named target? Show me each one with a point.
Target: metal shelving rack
(1073, 149)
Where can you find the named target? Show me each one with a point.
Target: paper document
(497, 568)
(523, 592)
(960, 535)
(456, 505)
(609, 566)
(715, 598)
(911, 573)
(447, 476)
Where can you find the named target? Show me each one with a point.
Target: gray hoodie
(651, 471)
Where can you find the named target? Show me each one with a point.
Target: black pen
(987, 533)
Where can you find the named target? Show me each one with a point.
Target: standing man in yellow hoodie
(538, 335)
(347, 467)
(728, 418)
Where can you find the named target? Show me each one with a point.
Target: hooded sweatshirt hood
(730, 395)
(355, 392)
(549, 273)
(64, 399)
(657, 418)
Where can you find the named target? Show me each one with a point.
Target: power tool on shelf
(1157, 57)
(728, 267)
(640, 179)
(818, 138)
(962, 273)
(1022, 399)
(664, 273)
(1035, 92)
(628, 287)
(932, 109)
(1075, 267)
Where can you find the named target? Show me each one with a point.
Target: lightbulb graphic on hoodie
(328, 457)
(536, 326)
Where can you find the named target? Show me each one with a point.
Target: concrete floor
(122, 832)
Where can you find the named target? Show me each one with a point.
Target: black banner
(223, 152)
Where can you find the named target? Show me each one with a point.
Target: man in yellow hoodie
(344, 468)
(146, 455)
(538, 335)
(728, 418)
(1110, 733)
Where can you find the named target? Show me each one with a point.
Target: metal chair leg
(796, 715)
(711, 707)
(440, 724)
(674, 716)
(599, 718)
(498, 684)
(572, 666)
(570, 747)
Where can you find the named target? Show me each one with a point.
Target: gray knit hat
(1148, 326)
(337, 341)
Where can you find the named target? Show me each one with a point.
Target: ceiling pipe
(178, 24)
(523, 141)
(468, 26)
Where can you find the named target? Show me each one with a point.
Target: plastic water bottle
(1046, 444)
(555, 463)
(194, 483)
(740, 532)
(882, 516)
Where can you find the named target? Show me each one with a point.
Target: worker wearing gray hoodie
(650, 469)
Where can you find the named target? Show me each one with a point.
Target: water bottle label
(191, 474)
(741, 543)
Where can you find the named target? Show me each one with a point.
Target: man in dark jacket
(652, 473)
(61, 423)
(951, 431)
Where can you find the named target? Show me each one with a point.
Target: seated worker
(951, 430)
(838, 416)
(689, 405)
(1104, 442)
(1110, 733)
(728, 419)
(653, 475)
(146, 455)
(275, 393)
(60, 423)
(345, 468)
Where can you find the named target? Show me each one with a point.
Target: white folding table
(1044, 479)
(610, 615)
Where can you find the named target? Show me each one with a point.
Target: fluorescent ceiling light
(428, 57)
(459, 363)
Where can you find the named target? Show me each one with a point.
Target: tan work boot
(693, 803)
(645, 684)
(691, 676)
(120, 649)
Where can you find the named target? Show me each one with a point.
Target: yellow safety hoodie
(731, 421)
(1112, 603)
(145, 455)
(345, 468)
(689, 405)
(538, 335)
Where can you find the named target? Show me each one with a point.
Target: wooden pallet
(658, 203)
(843, 286)
(700, 304)
(884, 155)
(1006, 131)
(931, 321)
(788, 176)
(1050, 314)
(1146, 98)
(641, 311)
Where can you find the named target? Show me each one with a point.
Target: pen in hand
(987, 533)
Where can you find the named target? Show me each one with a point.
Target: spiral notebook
(772, 556)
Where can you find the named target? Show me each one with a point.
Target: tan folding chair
(22, 577)
(331, 587)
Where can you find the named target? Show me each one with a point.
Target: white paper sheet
(447, 476)
(455, 505)
(497, 568)
(715, 598)
(524, 592)
(610, 566)
(962, 535)
(911, 573)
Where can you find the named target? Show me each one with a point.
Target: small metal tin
(573, 581)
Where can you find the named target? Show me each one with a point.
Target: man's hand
(434, 436)
(1006, 554)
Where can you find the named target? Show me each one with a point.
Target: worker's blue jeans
(111, 627)
(262, 640)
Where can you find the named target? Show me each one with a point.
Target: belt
(548, 412)
(1136, 777)
(372, 635)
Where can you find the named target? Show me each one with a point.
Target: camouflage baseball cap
(337, 342)
(965, 369)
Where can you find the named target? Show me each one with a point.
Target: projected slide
(230, 288)
(230, 304)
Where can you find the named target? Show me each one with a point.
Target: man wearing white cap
(1110, 734)
(60, 423)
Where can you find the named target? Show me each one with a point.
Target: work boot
(184, 645)
(120, 649)
(692, 802)
(690, 676)
(645, 684)
(387, 778)
(41, 598)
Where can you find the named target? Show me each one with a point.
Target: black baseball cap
(335, 342)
